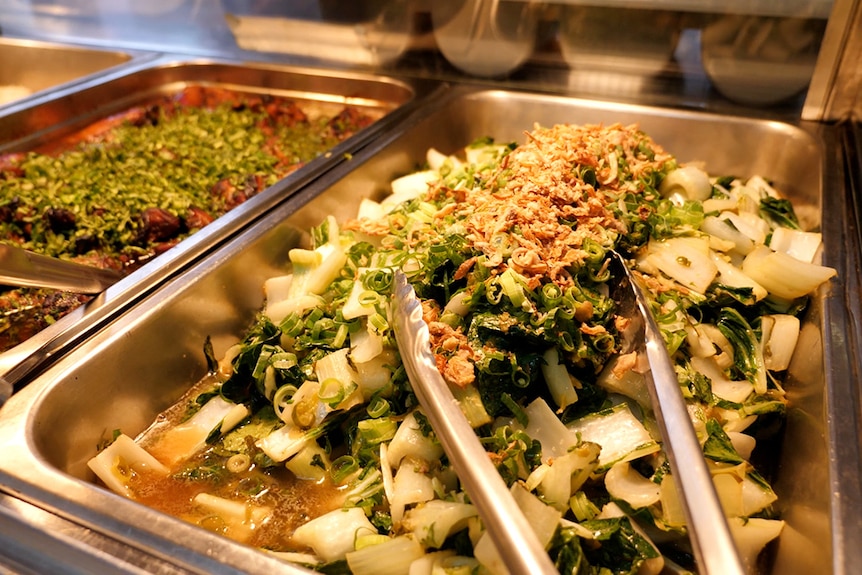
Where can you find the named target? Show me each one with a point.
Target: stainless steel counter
(34, 541)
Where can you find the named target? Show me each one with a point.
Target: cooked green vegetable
(131, 186)
(507, 248)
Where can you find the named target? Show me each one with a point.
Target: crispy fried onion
(549, 206)
(452, 353)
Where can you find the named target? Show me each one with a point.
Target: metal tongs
(714, 550)
(23, 268)
(518, 547)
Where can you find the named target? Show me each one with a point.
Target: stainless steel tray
(69, 109)
(143, 361)
(38, 66)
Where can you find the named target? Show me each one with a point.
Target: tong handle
(516, 542)
(23, 268)
(714, 548)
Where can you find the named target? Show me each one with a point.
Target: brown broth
(293, 501)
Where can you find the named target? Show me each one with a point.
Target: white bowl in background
(760, 60)
(641, 42)
(485, 37)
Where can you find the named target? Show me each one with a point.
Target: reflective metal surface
(520, 549)
(142, 361)
(34, 66)
(64, 110)
(23, 268)
(36, 542)
(625, 50)
(714, 550)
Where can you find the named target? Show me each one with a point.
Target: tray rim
(135, 57)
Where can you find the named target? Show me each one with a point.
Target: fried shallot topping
(544, 209)
(560, 187)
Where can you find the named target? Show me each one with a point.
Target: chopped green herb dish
(131, 186)
(307, 441)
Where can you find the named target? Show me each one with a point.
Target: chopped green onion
(512, 288)
(343, 467)
(494, 292)
(421, 216)
(331, 392)
(566, 311)
(283, 360)
(377, 407)
(378, 323)
(540, 319)
(502, 243)
(551, 295)
(600, 275)
(516, 409)
(320, 326)
(566, 341)
(376, 431)
(266, 353)
(282, 398)
(595, 252)
(313, 317)
(604, 342)
(292, 325)
(379, 280)
(428, 208)
(340, 336)
(368, 298)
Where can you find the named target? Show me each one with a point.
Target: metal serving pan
(140, 363)
(37, 66)
(67, 110)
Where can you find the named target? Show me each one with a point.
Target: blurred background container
(760, 59)
(758, 54)
(487, 38)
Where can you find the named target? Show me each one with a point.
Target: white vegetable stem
(685, 259)
(410, 441)
(559, 381)
(782, 275)
(116, 463)
(622, 436)
(780, 334)
(622, 482)
(333, 534)
(686, 183)
(801, 245)
(433, 522)
(181, 442)
(543, 519)
(390, 557)
(751, 536)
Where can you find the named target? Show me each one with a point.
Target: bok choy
(507, 247)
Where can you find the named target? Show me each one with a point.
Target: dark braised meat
(60, 219)
(348, 122)
(197, 218)
(158, 225)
